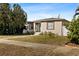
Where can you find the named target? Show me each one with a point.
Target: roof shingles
(50, 19)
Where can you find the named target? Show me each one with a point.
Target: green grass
(45, 39)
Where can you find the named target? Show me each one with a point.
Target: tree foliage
(74, 30)
(12, 20)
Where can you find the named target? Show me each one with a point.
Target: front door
(37, 27)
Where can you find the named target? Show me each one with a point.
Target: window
(50, 25)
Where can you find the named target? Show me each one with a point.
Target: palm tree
(76, 12)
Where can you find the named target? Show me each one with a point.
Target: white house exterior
(54, 25)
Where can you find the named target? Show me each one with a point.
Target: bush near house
(50, 34)
(74, 31)
(74, 28)
(29, 32)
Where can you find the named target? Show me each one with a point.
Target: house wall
(65, 31)
(57, 27)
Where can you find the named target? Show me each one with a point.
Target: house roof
(50, 19)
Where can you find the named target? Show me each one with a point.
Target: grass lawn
(12, 50)
(45, 39)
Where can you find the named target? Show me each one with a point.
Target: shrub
(74, 31)
(50, 34)
(29, 33)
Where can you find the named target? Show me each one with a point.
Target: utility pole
(58, 16)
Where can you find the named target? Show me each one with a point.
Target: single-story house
(54, 25)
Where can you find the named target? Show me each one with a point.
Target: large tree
(12, 19)
(74, 28)
(4, 18)
(20, 18)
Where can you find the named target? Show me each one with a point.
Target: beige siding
(65, 31)
(57, 27)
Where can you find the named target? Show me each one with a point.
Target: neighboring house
(54, 25)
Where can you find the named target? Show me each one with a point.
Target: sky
(36, 11)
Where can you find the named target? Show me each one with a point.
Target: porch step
(37, 33)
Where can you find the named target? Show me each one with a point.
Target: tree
(4, 18)
(20, 18)
(74, 29)
(12, 20)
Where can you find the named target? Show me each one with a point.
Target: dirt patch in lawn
(12, 50)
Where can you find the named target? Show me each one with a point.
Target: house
(29, 27)
(54, 25)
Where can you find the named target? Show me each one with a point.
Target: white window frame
(50, 25)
